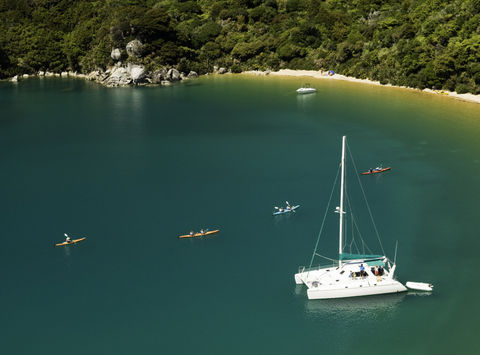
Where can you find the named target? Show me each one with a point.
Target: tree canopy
(416, 43)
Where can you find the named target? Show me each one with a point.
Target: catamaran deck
(347, 281)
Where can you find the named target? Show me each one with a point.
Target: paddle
(290, 207)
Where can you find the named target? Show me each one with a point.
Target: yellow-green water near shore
(132, 168)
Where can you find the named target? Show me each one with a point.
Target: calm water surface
(133, 168)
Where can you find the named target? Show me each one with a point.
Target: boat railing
(316, 267)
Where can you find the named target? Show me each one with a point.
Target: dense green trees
(417, 43)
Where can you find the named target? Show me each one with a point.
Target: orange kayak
(74, 241)
(194, 235)
(376, 171)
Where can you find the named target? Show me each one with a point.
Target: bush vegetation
(416, 43)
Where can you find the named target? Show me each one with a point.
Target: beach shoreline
(318, 74)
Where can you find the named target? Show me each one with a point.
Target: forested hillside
(416, 43)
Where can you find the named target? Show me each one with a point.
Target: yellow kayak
(74, 241)
(199, 234)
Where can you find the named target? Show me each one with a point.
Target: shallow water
(134, 168)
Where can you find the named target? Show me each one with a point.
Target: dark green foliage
(424, 44)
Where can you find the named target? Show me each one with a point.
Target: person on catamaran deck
(362, 270)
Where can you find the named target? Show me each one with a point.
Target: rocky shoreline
(132, 73)
(118, 76)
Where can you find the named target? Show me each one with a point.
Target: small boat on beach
(199, 234)
(376, 170)
(73, 241)
(287, 209)
(306, 89)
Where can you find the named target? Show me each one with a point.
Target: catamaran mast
(340, 242)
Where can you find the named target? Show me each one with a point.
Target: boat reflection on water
(357, 308)
(305, 99)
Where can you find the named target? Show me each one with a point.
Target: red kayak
(376, 171)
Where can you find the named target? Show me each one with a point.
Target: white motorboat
(306, 89)
(352, 274)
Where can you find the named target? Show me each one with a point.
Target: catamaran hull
(327, 293)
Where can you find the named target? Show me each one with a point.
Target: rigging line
(364, 244)
(325, 216)
(366, 201)
(355, 227)
(322, 256)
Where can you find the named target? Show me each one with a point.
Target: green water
(133, 168)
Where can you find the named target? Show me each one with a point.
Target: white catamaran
(353, 274)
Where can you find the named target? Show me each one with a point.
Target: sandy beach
(324, 75)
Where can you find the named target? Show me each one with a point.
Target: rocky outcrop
(158, 76)
(97, 75)
(134, 48)
(116, 54)
(119, 76)
(137, 72)
(173, 75)
(222, 71)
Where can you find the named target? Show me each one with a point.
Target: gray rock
(118, 77)
(64, 74)
(116, 54)
(25, 76)
(14, 79)
(41, 73)
(192, 74)
(158, 76)
(166, 83)
(49, 73)
(134, 48)
(173, 75)
(137, 72)
(94, 75)
(222, 71)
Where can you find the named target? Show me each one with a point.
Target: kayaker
(370, 170)
(202, 231)
(191, 233)
(67, 238)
